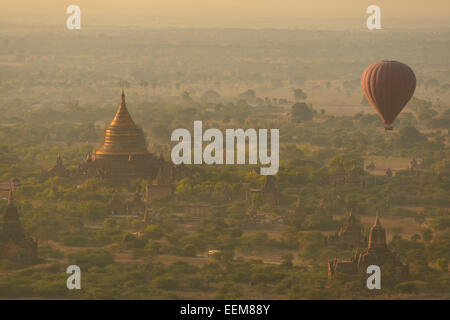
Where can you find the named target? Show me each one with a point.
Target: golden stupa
(123, 137)
(124, 151)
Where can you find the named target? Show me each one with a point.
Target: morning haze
(325, 14)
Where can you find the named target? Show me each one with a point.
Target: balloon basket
(388, 128)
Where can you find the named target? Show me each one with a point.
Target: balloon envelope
(388, 86)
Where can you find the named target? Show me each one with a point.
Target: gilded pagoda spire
(123, 117)
(123, 137)
(377, 235)
(124, 151)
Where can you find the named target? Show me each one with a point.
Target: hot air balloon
(388, 86)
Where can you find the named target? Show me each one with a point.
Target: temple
(163, 187)
(116, 206)
(377, 253)
(350, 236)
(136, 206)
(58, 170)
(371, 166)
(124, 152)
(15, 245)
(354, 178)
(338, 177)
(270, 191)
(388, 173)
(341, 177)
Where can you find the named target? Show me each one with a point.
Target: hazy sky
(325, 14)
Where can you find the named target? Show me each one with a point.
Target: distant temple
(340, 177)
(388, 173)
(270, 191)
(256, 218)
(124, 152)
(123, 157)
(371, 166)
(116, 206)
(136, 206)
(58, 170)
(377, 253)
(351, 235)
(298, 213)
(252, 212)
(15, 245)
(354, 178)
(163, 187)
(227, 192)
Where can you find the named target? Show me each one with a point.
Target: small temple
(116, 206)
(377, 253)
(270, 191)
(350, 235)
(340, 176)
(15, 245)
(124, 152)
(163, 187)
(388, 173)
(58, 170)
(371, 166)
(354, 178)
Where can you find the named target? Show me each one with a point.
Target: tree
(432, 83)
(410, 135)
(299, 94)
(189, 251)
